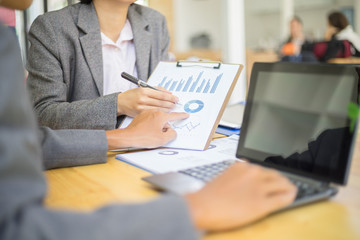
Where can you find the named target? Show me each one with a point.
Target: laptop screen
(296, 119)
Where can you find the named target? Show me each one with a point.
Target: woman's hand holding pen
(136, 100)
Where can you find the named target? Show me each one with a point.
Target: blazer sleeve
(165, 39)
(68, 148)
(49, 65)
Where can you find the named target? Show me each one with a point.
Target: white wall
(194, 17)
(223, 20)
(262, 25)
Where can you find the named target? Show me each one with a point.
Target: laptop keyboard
(305, 189)
(208, 172)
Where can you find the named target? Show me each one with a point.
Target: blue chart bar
(207, 86)
(167, 84)
(192, 89)
(187, 84)
(200, 85)
(216, 83)
(180, 86)
(173, 86)
(162, 82)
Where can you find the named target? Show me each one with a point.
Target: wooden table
(88, 187)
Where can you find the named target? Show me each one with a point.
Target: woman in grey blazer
(65, 64)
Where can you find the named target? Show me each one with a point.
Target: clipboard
(204, 89)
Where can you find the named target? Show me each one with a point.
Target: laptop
(295, 121)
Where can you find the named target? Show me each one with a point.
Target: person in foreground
(243, 194)
(76, 58)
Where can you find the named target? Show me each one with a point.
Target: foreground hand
(149, 129)
(136, 100)
(241, 195)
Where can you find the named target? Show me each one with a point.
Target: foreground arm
(23, 187)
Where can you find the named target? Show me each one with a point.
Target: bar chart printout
(193, 84)
(203, 91)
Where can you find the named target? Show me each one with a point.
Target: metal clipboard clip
(214, 65)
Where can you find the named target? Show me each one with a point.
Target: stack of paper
(162, 160)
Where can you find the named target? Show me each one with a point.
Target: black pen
(137, 81)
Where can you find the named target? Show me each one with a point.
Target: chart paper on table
(203, 90)
(162, 160)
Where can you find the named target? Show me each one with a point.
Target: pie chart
(193, 106)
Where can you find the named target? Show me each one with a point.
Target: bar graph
(193, 84)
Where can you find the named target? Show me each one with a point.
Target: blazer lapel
(91, 43)
(142, 42)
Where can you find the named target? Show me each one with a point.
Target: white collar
(125, 35)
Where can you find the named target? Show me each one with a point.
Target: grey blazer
(23, 186)
(65, 64)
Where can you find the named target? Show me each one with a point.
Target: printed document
(164, 160)
(203, 92)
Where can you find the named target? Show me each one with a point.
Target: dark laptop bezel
(334, 69)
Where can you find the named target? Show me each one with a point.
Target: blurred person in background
(340, 29)
(291, 49)
(340, 40)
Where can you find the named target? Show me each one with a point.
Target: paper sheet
(202, 92)
(164, 160)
